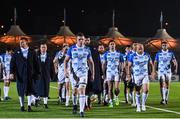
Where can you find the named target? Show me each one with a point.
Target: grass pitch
(11, 109)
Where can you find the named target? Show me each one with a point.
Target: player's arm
(66, 60)
(155, 64)
(176, 65)
(12, 66)
(129, 65)
(55, 62)
(91, 67)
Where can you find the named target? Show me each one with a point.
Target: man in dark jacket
(46, 70)
(25, 66)
(94, 87)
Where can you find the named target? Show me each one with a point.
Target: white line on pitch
(160, 109)
(165, 110)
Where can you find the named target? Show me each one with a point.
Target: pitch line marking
(160, 109)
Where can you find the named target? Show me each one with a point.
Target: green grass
(11, 109)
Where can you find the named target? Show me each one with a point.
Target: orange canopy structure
(64, 35)
(161, 35)
(115, 35)
(13, 35)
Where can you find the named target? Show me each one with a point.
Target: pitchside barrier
(175, 78)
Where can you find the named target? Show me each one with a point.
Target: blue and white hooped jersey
(79, 57)
(6, 60)
(164, 58)
(113, 60)
(140, 63)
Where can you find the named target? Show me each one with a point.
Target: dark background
(138, 18)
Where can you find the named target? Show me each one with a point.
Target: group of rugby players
(135, 67)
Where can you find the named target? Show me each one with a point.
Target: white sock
(86, 100)
(116, 97)
(82, 99)
(110, 101)
(5, 94)
(21, 100)
(144, 98)
(127, 96)
(164, 93)
(74, 99)
(29, 100)
(138, 100)
(7, 90)
(33, 98)
(104, 93)
(167, 94)
(45, 100)
(67, 99)
(63, 92)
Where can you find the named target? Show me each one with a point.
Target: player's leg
(82, 91)
(163, 89)
(131, 86)
(6, 85)
(116, 88)
(138, 85)
(167, 83)
(105, 91)
(126, 97)
(6, 89)
(110, 94)
(67, 83)
(145, 90)
(82, 98)
(161, 79)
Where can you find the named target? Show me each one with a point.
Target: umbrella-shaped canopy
(64, 35)
(13, 35)
(161, 35)
(115, 35)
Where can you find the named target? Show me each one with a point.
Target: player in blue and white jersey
(63, 82)
(163, 60)
(81, 62)
(6, 59)
(112, 67)
(126, 89)
(139, 62)
(130, 84)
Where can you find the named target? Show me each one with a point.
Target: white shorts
(112, 76)
(142, 79)
(82, 80)
(164, 76)
(6, 76)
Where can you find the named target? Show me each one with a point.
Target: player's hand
(92, 77)
(11, 76)
(175, 71)
(128, 77)
(56, 70)
(66, 73)
(153, 75)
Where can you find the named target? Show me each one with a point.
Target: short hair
(87, 36)
(24, 38)
(128, 46)
(79, 34)
(43, 43)
(164, 42)
(111, 42)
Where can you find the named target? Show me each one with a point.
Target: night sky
(135, 18)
